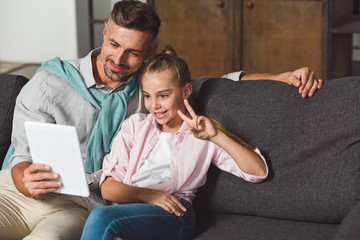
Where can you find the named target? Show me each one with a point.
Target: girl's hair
(168, 59)
(230, 134)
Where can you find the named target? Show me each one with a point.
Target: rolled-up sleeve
(226, 163)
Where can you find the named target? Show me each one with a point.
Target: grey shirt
(49, 98)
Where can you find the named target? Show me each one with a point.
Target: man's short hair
(136, 15)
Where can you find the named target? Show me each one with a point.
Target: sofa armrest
(10, 88)
(349, 228)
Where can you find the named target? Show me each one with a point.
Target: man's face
(123, 52)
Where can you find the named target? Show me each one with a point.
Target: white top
(156, 167)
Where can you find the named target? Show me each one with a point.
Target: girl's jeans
(138, 221)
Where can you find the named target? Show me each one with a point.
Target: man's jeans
(138, 221)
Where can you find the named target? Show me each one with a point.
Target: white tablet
(58, 146)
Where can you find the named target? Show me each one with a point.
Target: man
(87, 93)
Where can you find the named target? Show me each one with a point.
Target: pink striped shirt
(189, 163)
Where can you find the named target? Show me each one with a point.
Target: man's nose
(120, 57)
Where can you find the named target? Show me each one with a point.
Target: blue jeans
(138, 221)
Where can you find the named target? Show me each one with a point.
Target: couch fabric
(10, 88)
(312, 147)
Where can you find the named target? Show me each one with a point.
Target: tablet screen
(58, 146)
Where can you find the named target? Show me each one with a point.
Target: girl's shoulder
(138, 120)
(136, 117)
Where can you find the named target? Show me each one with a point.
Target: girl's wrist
(217, 138)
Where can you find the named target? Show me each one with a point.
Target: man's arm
(31, 105)
(302, 78)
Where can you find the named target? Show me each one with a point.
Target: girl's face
(163, 97)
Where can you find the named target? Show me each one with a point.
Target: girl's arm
(115, 191)
(246, 159)
(202, 128)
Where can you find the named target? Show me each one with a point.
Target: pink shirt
(190, 158)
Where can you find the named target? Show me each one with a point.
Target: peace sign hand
(200, 126)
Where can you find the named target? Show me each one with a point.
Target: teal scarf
(112, 107)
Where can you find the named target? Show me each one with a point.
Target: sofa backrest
(10, 88)
(312, 147)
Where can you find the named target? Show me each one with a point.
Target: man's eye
(163, 96)
(113, 44)
(134, 53)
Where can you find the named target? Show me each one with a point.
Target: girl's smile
(163, 97)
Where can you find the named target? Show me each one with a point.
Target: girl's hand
(200, 126)
(167, 201)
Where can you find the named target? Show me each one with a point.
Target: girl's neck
(170, 129)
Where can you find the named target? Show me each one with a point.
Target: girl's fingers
(189, 108)
(185, 118)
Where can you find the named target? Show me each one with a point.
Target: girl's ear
(188, 90)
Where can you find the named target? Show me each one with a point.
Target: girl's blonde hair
(168, 59)
(219, 126)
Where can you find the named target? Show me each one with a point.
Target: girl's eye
(146, 96)
(163, 96)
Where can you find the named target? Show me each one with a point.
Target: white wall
(37, 30)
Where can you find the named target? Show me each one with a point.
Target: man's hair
(136, 15)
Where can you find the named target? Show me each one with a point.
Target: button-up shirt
(189, 162)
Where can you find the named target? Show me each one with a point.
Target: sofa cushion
(312, 147)
(10, 88)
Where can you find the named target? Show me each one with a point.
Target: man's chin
(118, 77)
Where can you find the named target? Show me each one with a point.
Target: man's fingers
(320, 84)
(294, 81)
(35, 167)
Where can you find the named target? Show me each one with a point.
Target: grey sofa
(10, 88)
(312, 147)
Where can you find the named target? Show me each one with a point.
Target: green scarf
(113, 108)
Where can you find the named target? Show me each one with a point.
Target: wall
(37, 30)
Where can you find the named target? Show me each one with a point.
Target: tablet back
(58, 146)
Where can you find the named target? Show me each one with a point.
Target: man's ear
(188, 90)
(152, 50)
(105, 28)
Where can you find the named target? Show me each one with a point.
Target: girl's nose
(155, 104)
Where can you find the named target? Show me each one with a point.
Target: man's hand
(302, 78)
(305, 80)
(35, 180)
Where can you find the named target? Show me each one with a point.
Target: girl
(158, 161)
